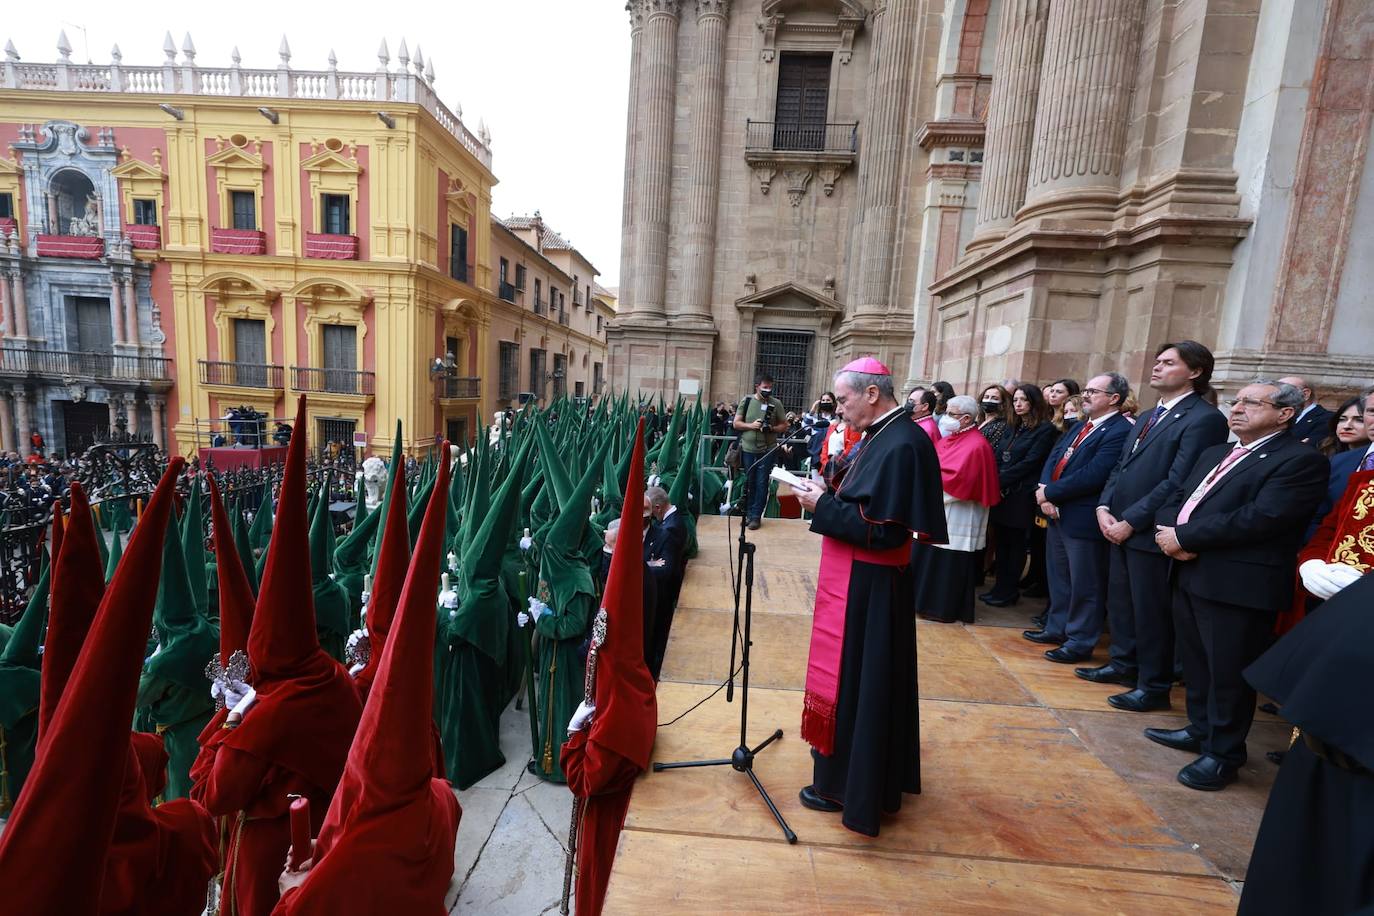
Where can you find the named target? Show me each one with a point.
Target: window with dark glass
(145, 212)
(335, 213)
(250, 353)
(245, 209)
(519, 276)
(509, 381)
(538, 296)
(340, 357)
(6, 206)
(458, 253)
(504, 289)
(537, 379)
(803, 96)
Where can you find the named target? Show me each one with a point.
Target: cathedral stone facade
(977, 190)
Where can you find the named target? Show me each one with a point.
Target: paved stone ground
(513, 838)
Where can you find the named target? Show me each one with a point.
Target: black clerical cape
(860, 713)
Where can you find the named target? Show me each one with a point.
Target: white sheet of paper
(782, 475)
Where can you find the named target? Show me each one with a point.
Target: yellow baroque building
(176, 241)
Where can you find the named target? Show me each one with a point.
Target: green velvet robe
(559, 672)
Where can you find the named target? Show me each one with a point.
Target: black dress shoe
(811, 799)
(1039, 621)
(998, 601)
(1275, 757)
(1207, 774)
(752, 524)
(1107, 674)
(1269, 708)
(1067, 657)
(1045, 639)
(1180, 739)
(1140, 700)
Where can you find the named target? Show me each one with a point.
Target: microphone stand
(742, 758)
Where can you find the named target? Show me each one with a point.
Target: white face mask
(949, 425)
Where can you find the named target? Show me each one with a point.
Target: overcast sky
(549, 76)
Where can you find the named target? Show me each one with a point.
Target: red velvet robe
(605, 780)
(161, 859)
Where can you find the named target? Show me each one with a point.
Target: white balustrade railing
(185, 78)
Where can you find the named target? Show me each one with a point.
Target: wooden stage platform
(1038, 796)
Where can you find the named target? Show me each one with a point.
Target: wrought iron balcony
(334, 381)
(453, 386)
(240, 375)
(783, 136)
(506, 291)
(79, 365)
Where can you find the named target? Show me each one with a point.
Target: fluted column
(627, 208)
(895, 44)
(703, 183)
(1086, 82)
(130, 310)
(24, 410)
(21, 304)
(7, 438)
(1011, 117)
(131, 413)
(117, 309)
(6, 304)
(158, 405)
(654, 170)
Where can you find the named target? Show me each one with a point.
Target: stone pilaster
(23, 407)
(117, 308)
(130, 310)
(131, 413)
(1011, 118)
(653, 170)
(6, 304)
(703, 182)
(885, 140)
(159, 407)
(21, 305)
(627, 209)
(1087, 77)
(113, 403)
(7, 438)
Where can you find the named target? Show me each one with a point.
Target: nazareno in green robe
(20, 682)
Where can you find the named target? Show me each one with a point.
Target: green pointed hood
(116, 553)
(397, 466)
(243, 543)
(321, 536)
(360, 497)
(563, 566)
(186, 640)
(261, 532)
(22, 651)
(555, 472)
(193, 547)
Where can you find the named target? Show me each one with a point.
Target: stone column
(1011, 117)
(654, 168)
(627, 210)
(6, 304)
(21, 304)
(117, 309)
(7, 440)
(1086, 81)
(131, 413)
(24, 409)
(703, 182)
(113, 404)
(53, 227)
(894, 46)
(158, 405)
(130, 310)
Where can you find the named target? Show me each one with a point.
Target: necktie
(1148, 425)
(1187, 511)
(1368, 461)
(1083, 431)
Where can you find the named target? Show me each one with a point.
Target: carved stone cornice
(837, 35)
(951, 132)
(798, 167)
(706, 8)
(646, 9)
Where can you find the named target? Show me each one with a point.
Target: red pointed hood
(235, 593)
(392, 561)
(45, 865)
(626, 707)
(78, 582)
(306, 708)
(283, 633)
(388, 786)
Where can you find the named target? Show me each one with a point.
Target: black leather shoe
(1067, 657)
(996, 601)
(1038, 621)
(1107, 674)
(1269, 708)
(1045, 639)
(810, 799)
(1275, 757)
(1180, 739)
(752, 524)
(1207, 774)
(986, 595)
(1140, 701)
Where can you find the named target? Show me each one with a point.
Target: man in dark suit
(665, 550)
(1233, 530)
(1069, 493)
(1159, 454)
(1313, 420)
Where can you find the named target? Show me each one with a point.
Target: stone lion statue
(374, 480)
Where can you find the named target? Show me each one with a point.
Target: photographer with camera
(760, 420)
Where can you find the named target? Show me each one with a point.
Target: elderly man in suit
(665, 548)
(1310, 426)
(1070, 491)
(1159, 454)
(1233, 531)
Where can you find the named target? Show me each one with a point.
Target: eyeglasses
(1251, 403)
(1090, 391)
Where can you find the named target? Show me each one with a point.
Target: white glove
(584, 714)
(537, 608)
(526, 542)
(1326, 579)
(234, 692)
(522, 619)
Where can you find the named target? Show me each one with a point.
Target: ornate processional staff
(588, 697)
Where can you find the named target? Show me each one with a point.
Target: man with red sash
(1342, 549)
(860, 712)
(387, 840)
(611, 737)
(290, 735)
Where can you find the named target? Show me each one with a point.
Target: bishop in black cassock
(860, 714)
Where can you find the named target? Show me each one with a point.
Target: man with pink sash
(860, 713)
